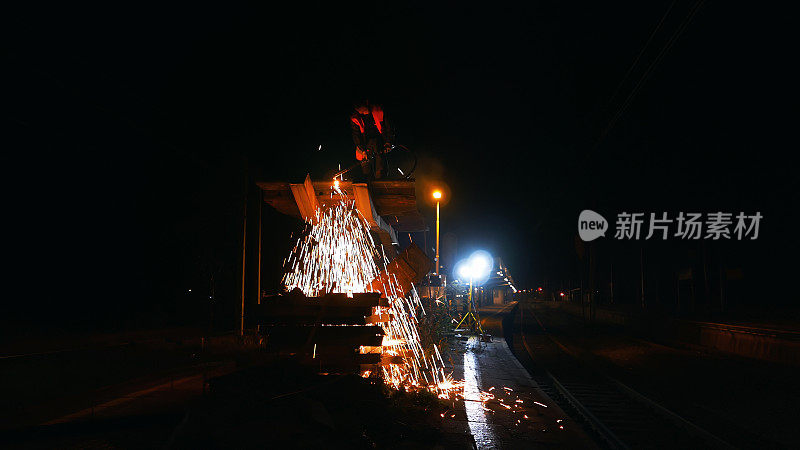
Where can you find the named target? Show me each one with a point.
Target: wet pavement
(514, 412)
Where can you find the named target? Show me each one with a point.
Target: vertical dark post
(641, 272)
(706, 286)
(592, 299)
(244, 245)
(581, 292)
(260, 226)
(612, 281)
(211, 306)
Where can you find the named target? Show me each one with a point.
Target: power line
(678, 32)
(641, 53)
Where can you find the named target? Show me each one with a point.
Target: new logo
(591, 225)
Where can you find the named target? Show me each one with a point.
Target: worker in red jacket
(372, 136)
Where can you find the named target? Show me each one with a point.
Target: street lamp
(438, 196)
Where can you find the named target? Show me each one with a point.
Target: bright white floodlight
(476, 268)
(481, 261)
(463, 270)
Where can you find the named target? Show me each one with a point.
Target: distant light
(437, 194)
(540, 289)
(190, 290)
(336, 183)
(561, 294)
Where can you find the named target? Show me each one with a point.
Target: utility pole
(641, 272)
(212, 298)
(612, 282)
(592, 298)
(244, 245)
(260, 226)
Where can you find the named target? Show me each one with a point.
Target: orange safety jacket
(364, 131)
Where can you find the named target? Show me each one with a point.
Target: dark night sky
(131, 124)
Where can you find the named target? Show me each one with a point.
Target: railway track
(617, 415)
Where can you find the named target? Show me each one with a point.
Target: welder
(373, 137)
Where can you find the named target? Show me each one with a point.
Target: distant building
(499, 289)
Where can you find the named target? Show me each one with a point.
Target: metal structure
(389, 206)
(333, 332)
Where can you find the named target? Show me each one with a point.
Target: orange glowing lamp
(437, 194)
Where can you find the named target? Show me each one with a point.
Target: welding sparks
(337, 254)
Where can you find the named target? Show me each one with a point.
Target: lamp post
(438, 196)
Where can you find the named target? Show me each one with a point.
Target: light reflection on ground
(476, 416)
